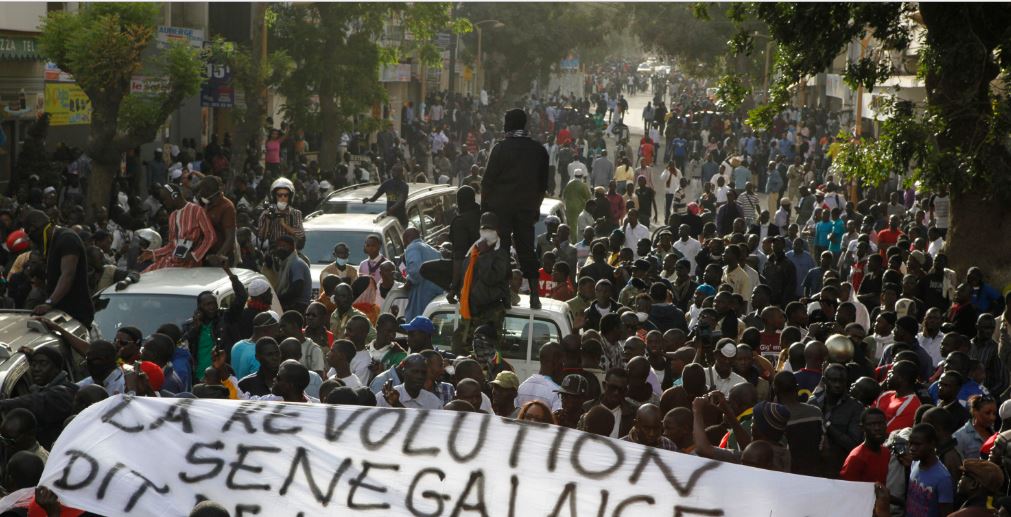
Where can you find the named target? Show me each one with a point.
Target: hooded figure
(513, 187)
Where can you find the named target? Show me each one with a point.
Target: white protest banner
(159, 456)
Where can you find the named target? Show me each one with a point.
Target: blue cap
(706, 289)
(419, 323)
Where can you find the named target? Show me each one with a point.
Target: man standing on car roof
(513, 188)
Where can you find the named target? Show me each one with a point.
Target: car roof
(522, 308)
(357, 192)
(362, 222)
(549, 203)
(185, 281)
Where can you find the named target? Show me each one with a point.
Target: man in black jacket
(513, 187)
(484, 294)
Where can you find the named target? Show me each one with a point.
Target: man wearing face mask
(66, 268)
(280, 218)
(483, 294)
(339, 266)
(221, 211)
(294, 287)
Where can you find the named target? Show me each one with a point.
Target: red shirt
(898, 413)
(545, 283)
(564, 137)
(886, 238)
(863, 464)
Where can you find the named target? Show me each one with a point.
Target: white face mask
(205, 201)
(489, 236)
(281, 205)
(341, 261)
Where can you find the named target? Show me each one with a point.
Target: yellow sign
(67, 105)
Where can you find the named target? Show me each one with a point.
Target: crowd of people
(819, 334)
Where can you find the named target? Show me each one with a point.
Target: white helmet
(278, 184)
(152, 237)
(284, 183)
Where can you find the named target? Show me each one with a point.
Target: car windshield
(319, 245)
(144, 311)
(350, 206)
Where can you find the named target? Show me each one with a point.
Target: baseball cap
(985, 472)
(573, 384)
(728, 348)
(641, 265)
(257, 287)
(507, 380)
(421, 324)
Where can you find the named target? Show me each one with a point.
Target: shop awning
(18, 48)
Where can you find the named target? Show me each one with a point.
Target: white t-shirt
(539, 387)
(426, 399)
(690, 249)
(360, 365)
(721, 384)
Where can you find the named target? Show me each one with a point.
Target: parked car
(430, 208)
(324, 231)
(525, 330)
(20, 329)
(167, 295)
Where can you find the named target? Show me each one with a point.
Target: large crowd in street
(729, 294)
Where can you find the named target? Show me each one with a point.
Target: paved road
(633, 119)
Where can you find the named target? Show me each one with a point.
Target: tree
(103, 46)
(337, 51)
(254, 72)
(536, 36)
(959, 139)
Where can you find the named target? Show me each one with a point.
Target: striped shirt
(187, 223)
(271, 229)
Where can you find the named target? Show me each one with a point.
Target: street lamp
(495, 24)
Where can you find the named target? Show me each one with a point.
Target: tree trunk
(248, 129)
(100, 184)
(978, 236)
(329, 135)
(330, 16)
(958, 88)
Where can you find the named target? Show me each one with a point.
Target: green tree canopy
(535, 37)
(958, 140)
(338, 50)
(103, 45)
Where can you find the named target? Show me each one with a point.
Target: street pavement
(633, 119)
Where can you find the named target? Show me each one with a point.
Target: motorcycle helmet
(150, 236)
(282, 183)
